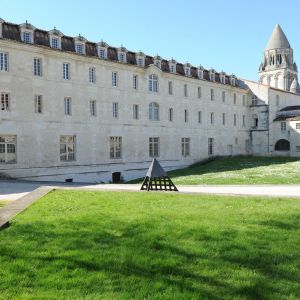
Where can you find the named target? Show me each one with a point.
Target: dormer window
(187, 69)
(102, 50)
(172, 65)
(1, 22)
(27, 38)
(232, 80)
(140, 59)
(200, 72)
(222, 78)
(157, 61)
(54, 43)
(79, 48)
(122, 57)
(122, 54)
(80, 45)
(212, 75)
(55, 38)
(27, 31)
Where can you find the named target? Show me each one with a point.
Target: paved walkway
(13, 190)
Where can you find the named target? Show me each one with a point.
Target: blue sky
(227, 35)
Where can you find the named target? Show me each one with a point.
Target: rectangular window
(185, 88)
(66, 71)
(283, 126)
(3, 61)
(115, 111)
(102, 53)
(244, 100)
(298, 126)
(234, 119)
(223, 96)
(244, 120)
(199, 92)
(212, 118)
(185, 147)
(210, 146)
(8, 149)
(223, 118)
(54, 43)
(135, 111)
(114, 79)
(38, 103)
(140, 62)
(171, 114)
(67, 147)
(37, 66)
(153, 146)
(68, 104)
(199, 117)
(170, 86)
(93, 107)
(5, 103)
(115, 145)
(135, 82)
(211, 94)
(234, 98)
(297, 148)
(79, 48)
(92, 74)
(186, 116)
(27, 37)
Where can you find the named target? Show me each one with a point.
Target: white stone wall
(38, 134)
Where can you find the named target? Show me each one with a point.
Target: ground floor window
(8, 149)
(115, 145)
(210, 146)
(153, 146)
(185, 146)
(67, 147)
(297, 126)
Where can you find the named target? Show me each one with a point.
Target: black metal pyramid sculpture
(157, 179)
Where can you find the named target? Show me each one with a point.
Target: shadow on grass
(134, 252)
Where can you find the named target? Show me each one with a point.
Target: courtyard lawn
(2, 203)
(113, 245)
(241, 170)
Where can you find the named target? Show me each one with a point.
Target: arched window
(153, 111)
(153, 83)
(282, 145)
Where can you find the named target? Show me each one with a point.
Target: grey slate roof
(278, 39)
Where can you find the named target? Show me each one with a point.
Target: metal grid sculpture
(157, 179)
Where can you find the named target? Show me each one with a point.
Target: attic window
(122, 57)
(187, 71)
(222, 78)
(200, 73)
(211, 75)
(27, 37)
(102, 53)
(141, 61)
(79, 48)
(54, 43)
(158, 64)
(232, 80)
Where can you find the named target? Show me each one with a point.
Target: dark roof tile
(91, 49)
(41, 37)
(11, 31)
(67, 44)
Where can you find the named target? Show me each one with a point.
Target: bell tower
(278, 68)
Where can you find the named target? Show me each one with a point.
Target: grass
(2, 203)
(240, 170)
(113, 245)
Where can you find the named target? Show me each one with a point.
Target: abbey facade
(73, 110)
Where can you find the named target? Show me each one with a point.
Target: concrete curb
(12, 209)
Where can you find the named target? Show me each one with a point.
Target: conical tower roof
(278, 39)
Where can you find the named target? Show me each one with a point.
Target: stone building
(81, 111)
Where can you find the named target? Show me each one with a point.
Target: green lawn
(2, 203)
(113, 245)
(241, 170)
